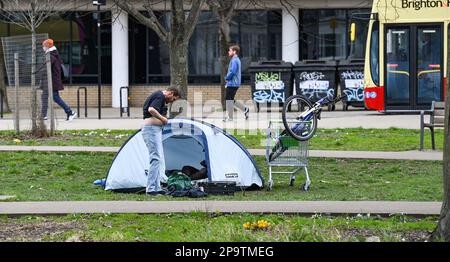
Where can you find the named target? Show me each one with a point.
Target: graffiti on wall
(269, 87)
(316, 94)
(314, 86)
(268, 80)
(311, 76)
(349, 74)
(269, 96)
(354, 85)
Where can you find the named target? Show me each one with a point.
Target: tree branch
(191, 21)
(151, 22)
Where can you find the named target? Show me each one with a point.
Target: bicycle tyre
(284, 114)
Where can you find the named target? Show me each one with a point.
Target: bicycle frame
(306, 121)
(316, 107)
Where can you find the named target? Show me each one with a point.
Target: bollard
(85, 101)
(128, 100)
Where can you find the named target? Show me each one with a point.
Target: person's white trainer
(72, 116)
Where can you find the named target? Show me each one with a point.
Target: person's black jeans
(230, 102)
(57, 99)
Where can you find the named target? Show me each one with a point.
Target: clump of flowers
(258, 225)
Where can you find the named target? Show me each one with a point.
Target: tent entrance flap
(182, 150)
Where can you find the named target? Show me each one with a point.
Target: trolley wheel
(270, 186)
(305, 186)
(257, 107)
(291, 182)
(300, 128)
(344, 106)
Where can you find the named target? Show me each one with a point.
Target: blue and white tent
(186, 142)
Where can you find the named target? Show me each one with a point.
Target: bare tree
(176, 36)
(30, 14)
(224, 10)
(442, 231)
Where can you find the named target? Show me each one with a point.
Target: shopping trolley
(282, 150)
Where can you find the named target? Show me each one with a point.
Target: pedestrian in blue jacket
(232, 84)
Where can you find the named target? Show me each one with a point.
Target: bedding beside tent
(186, 142)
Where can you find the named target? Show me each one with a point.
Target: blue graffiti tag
(268, 96)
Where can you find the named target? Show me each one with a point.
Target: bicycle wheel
(298, 123)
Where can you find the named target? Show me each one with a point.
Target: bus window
(374, 57)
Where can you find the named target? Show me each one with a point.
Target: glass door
(413, 62)
(397, 64)
(429, 64)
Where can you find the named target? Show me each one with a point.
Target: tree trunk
(38, 128)
(179, 43)
(3, 89)
(34, 129)
(179, 67)
(442, 231)
(179, 77)
(224, 40)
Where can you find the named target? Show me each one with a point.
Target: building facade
(134, 56)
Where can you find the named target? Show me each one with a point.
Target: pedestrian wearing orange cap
(49, 47)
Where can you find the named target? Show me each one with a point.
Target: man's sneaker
(227, 119)
(246, 112)
(157, 193)
(45, 117)
(71, 116)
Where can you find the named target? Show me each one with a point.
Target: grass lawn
(214, 227)
(356, 139)
(38, 176)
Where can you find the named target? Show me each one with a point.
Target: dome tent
(186, 142)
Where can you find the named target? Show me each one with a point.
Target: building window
(204, 50)
(81, 50)
(324, 34)
(257, 32)
(75, 36)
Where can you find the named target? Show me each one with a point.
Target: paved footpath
(158, 207)
(335, 119)
(405, 155)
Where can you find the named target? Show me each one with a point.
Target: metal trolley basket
(284, 151)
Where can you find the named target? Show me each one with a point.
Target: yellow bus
(406, 54)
